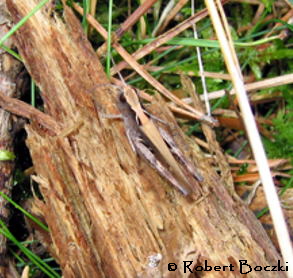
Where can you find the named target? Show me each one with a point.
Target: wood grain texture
(109, 213)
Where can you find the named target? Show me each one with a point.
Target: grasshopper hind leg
(177, 152)
(147, 154)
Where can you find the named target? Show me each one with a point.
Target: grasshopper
(154, 144)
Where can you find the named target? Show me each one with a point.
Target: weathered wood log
(10, 70)
(109, 213)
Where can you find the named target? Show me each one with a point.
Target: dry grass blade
(286, 18)
(131, 20)
(254, 138)
(268, 83)
(164, 38)
(258, 85)
(214, 75)
(272, 162)
(164, 14)
(93, 7)
(171, 15)
(253, 177)
(259, 12)
(201, 67)
(25, 272)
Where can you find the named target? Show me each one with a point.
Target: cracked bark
(109, 213)
(10, 70)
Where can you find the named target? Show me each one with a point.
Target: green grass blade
(6, 155)
(11, 52)
(37, 221)
(33, 93)
(86, 10)
(32, 257)
(22, 21)
(17, 26)
(108, 61)
(204, 43)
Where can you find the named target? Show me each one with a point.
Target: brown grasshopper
(154, 144)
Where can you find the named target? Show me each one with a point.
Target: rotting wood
(9, 78)
(109, 215)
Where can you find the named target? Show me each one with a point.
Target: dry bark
(108, 212)
(10, 70)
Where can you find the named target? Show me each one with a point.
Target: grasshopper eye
(122, 98)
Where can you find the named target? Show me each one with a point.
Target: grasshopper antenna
(119, 73)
